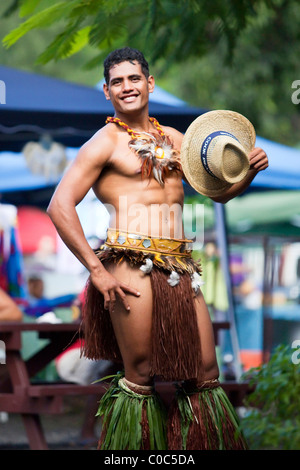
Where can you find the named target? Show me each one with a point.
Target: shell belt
(173, 255)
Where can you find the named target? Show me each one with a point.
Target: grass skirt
(131, 420)
(203, 419)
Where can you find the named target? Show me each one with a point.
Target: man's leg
(207, 341)
(133, 398)
(201, 417)
(133, 328)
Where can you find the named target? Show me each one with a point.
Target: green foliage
(231, 54)
(23, 55)
(258, 80)
(42, 19)
(161, 28)
(273, 420)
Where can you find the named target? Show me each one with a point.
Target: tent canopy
(71, 113)
(17, 183)
(35, 104)
(284, 166)
(274, 212)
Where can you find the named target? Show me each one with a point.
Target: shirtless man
(107, 164)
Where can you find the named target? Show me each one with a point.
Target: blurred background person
(35, 286)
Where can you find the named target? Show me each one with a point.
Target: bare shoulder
(99, 148)
(174, 135)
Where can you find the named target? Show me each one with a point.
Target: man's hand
(110, 287)
(258, 159)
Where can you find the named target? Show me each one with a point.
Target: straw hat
(214, 151)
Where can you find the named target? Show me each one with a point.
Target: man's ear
(151, 83)
(106, 91)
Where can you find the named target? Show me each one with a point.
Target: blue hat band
(205, 147)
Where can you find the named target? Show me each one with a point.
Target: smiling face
(128, 88)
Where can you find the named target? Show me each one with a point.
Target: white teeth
(129, 98)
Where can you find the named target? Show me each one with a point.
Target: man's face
(36, 288)
(128, 88)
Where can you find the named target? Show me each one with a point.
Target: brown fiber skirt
(175, 347)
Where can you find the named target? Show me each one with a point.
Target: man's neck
(138, 123)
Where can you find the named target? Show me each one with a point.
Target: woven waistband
(135, 389)
(191, 387)
(120, 239)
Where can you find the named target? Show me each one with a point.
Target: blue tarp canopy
(284, 166)
(71, 113)
(283, 172)
(36, 105)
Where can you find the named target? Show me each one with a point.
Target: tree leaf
(28, 6)
(44, 18)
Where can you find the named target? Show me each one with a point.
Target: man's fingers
(110, 296)
(106, 301)
(123, 298)
(131, 290)
(120, 291)
(258, 159)
(112, 301)
(260, 164)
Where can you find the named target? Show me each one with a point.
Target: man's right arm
(75, 184)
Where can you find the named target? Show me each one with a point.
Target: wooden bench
(18, 393)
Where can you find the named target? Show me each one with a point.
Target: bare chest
(124, 162)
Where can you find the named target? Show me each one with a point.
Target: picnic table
(19, 393)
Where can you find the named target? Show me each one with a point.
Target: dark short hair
(122, 55)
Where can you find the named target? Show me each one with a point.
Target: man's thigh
(133, 328)
(207, 340)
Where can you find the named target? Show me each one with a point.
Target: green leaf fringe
(122, 419)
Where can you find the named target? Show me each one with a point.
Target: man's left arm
(258, 162)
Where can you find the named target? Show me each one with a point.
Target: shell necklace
(155, 151)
